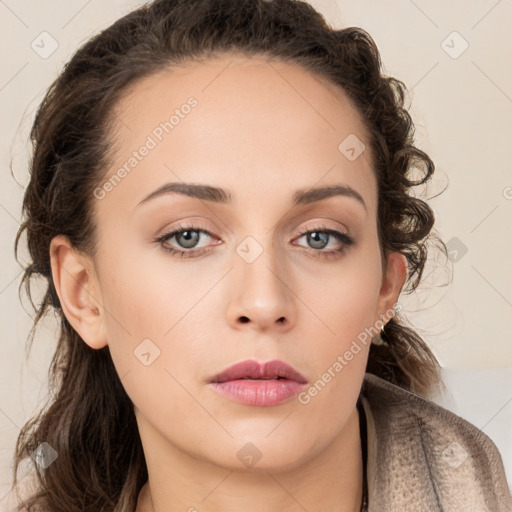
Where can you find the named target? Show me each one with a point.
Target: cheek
(345, 301)
(350, 303)
(157, 347)
(340, 354)
(156, 316)
(347, 306)
(141, 297)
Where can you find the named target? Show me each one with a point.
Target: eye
(320, 236)
(186, 237)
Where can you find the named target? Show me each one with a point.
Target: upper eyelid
(211, 231)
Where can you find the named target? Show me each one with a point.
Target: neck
(330, 480)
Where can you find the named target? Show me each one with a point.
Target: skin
(260, 130)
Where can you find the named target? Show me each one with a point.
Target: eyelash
(338, 235)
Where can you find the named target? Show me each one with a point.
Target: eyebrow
(219, 195)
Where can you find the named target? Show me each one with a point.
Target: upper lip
(255, 370)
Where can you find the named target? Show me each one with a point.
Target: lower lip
(260, 392)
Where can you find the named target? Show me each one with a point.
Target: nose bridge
(260, 262)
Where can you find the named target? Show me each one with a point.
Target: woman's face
(249, 284)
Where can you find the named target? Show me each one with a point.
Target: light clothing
(424, 458)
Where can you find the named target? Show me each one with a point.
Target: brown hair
(89, 419)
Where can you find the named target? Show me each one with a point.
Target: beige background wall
(455, 59)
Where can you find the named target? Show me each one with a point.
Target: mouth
(253, 370)
(263, 378)
(256, 384)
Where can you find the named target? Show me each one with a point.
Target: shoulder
(428, 455)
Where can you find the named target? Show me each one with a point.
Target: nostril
(244, 319)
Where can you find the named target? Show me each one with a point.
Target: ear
(77, 287)
(392, 284)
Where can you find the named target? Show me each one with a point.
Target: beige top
(424, 458)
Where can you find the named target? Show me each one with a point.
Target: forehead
(253, 121)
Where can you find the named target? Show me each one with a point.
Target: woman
(220, 200)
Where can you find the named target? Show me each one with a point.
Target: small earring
(377, 340)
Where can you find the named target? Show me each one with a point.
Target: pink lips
(262, 384)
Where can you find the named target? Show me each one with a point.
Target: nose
(261, 294)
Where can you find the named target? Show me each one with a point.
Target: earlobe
(76, 286)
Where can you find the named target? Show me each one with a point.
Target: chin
(257, 454)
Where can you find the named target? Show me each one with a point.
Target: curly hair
(89, 418)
